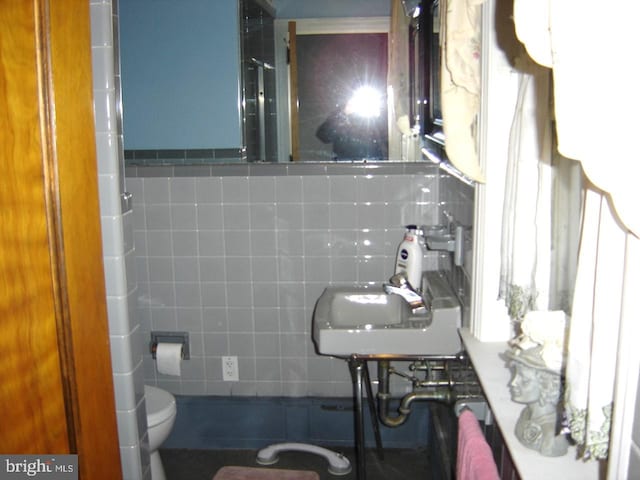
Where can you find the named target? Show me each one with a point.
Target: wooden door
(56, 388)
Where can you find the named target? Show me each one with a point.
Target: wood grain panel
(56, 387)
(86, 323)
(30, 380)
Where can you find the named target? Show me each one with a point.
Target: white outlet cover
(230, 369)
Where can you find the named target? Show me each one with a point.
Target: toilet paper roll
(169, 358)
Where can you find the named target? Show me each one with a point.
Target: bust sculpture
(538, 387)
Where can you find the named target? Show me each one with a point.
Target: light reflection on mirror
(337, 75)
(412, 8)
(357, 131)
(365, 102)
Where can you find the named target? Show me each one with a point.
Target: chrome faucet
(399, 285)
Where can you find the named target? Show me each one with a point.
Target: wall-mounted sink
(365, 320)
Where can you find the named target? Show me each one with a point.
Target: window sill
(494, 378)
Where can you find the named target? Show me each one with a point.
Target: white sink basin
(364, 320)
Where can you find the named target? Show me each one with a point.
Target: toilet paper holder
(170, 337)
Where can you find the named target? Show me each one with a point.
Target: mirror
(428, 61)
(339, 65)
(244, 114)
(259, 111)
(342, 114)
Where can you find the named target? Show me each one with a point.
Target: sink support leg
(373, 413)
(356, 367)
(360, 375)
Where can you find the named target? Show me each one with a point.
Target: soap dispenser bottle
(410, 256)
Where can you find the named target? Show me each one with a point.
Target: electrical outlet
(230, 369)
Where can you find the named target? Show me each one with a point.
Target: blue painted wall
(210, 422)
(176, 98)
(332, 8)
(173, 95)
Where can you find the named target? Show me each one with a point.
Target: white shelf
(494, 377)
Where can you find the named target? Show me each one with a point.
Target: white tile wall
(634, 454)
(240, 261)
(634, 462)
(118, 244)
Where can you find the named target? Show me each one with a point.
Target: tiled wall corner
(118, 247)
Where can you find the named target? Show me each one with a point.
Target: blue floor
(212, 432)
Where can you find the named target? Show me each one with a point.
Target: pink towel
(475, 459)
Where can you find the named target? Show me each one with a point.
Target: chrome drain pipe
(440, 394)
(435, 389)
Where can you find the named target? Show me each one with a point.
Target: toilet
(161, 415)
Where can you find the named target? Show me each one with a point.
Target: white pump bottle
(410, 256)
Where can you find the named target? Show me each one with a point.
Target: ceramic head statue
(539, 387)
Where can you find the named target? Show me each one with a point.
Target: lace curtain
(588, 60)
(526, 233)
(606, 251)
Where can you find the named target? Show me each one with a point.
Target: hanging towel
(460, 83)
(475, 459)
